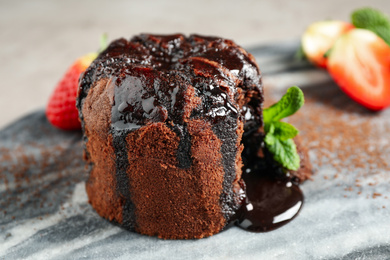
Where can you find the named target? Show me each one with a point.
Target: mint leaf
(278, 139)
(284, 131)
(290, 103)
(284, 151)
(270, 139)
(373, 20)
(269, 128)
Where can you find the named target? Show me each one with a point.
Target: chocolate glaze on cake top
(160, 69)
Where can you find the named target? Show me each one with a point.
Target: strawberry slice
(359, 63)
(61, 109)
(320, 37)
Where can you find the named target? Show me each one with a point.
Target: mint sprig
(283, 130)
(290, 103)
(278, 138)
(373, 20)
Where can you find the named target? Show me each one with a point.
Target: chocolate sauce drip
(183, 153)
(122, 179)
(226, 132)
(273, 198)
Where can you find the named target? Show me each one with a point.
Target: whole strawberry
(61, 110)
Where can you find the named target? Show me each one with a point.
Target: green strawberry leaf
(373, 20)
(103, 42)
(284, 151)
(384, 33)
(290, 103)
(300, 54)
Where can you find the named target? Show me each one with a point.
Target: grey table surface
(44, 213)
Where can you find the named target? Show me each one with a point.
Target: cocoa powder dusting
(343, 136)
(33, 174)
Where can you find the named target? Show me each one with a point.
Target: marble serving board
(44, 210)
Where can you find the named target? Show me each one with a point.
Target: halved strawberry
(320, 37)
(61, 110)
(359, 63)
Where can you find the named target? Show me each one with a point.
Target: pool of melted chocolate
(270, 202)
(273, 197)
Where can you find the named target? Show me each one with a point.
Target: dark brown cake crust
(163, 118)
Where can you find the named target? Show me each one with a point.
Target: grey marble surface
(44, 213)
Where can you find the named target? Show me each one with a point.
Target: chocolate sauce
(270, 202)
(273, 198)
(128, 210)
(161, 68)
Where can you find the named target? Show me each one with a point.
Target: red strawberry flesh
(360, 64)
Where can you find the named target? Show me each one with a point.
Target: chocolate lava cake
(164, 118)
